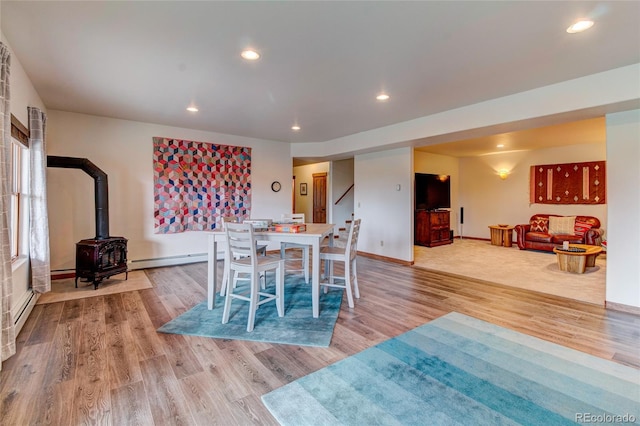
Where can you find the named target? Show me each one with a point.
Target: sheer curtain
(38, 215)
(7, 330)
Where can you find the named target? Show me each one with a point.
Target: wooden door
(319, 198)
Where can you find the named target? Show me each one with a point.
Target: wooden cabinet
(432, 228)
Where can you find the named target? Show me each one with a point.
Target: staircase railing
(345, 193)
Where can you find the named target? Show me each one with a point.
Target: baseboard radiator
(167, 261)
(22, 309)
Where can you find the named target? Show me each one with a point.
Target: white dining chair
(260, 249)
(296, 218)
(347, 255)
(241, 240)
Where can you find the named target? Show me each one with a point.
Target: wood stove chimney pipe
(101, 188)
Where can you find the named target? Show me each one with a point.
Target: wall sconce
(503, 174)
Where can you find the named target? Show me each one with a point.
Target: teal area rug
(460, 370)
(297, 327)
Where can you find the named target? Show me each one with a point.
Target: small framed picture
(303, 189)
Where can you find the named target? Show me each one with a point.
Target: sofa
(546, 231)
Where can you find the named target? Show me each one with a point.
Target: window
(18, 187)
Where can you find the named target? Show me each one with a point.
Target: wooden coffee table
(577, 262)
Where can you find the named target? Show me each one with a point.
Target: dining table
(313, 235)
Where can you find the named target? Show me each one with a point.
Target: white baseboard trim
(167, 261)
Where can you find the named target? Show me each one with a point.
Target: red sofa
(536, 235)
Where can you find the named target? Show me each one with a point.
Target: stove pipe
(101, 188)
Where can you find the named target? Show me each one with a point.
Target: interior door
(319, 198)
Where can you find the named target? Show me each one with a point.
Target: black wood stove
(103, 256)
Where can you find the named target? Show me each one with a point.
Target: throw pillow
(581, 228)
(540, 224)
(562, 225)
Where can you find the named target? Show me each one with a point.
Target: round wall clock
(275, 186)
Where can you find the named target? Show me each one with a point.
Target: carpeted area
(461, 370)
(527, 269)
(297, 327)
(63, 290)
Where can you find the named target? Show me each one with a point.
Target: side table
(501, 235)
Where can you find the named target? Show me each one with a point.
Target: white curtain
(38, 216)
(7, 329)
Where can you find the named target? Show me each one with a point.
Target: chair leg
(328, 270)
(227, 302)
(355, 280)
(253, 303)
(225, 279)
(347, 282)
(280, 289)
(263, 280)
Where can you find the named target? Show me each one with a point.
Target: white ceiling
(592, 130)
(322, 63)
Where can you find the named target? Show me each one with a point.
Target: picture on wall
(569, 183)
(303, 189)
(197, 183)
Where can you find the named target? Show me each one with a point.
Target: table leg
(507, 236)
(315, 278)
(212, 272)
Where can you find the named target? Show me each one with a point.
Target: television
(432, 191)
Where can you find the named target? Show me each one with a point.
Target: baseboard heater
(146, 263)
(167, 261)
(22, 310)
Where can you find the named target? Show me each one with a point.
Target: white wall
(386, 213)
(341, 180)
(123, 149)
(304, 174)
(623, 184)
(489, 200)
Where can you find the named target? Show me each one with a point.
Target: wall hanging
(570, 183)
(197, 183)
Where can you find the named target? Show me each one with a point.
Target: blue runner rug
(460, 370)
(297, 327)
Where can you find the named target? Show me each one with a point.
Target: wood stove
(103, 256)
(100, 259)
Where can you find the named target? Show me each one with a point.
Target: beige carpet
(531, 270)
(63, 290)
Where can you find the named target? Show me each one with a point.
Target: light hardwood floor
(100, 361)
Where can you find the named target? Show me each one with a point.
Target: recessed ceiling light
(192, 109)
(295, 128)
(382, 97)
(250, 55)
(579, 26)
(500, 146)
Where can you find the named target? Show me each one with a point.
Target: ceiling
(322, 63)
(571, 133)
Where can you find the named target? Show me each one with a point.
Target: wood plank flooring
(100, 360)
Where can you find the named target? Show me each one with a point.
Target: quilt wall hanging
(570, 183)
(197, 183)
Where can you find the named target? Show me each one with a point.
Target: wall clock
(275, 186)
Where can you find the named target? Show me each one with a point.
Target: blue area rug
(297, 327)
(460, 370)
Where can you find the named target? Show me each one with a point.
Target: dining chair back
(241, 240)
(348, 255)
(260, 249)
(296, 218)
